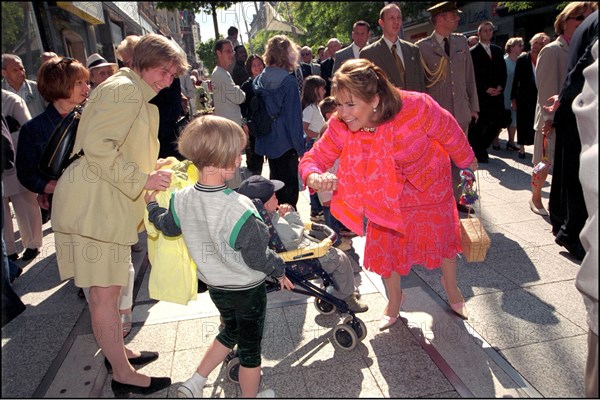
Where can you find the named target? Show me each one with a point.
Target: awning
(275, 22)
(89, 11)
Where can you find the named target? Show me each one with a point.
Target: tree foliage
(326, 19)
(206, 52)
(516, 6)
(207, 7)
(12, 25)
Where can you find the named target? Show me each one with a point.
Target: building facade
(78, 29)
(524, 24)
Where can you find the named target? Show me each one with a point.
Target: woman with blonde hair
(98, 203)
(278, 88)
(513, 49)
(550, 74)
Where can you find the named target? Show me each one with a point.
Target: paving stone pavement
(525, 337)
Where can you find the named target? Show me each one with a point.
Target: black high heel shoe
(123, 390)
(510, 146)
(145, 358)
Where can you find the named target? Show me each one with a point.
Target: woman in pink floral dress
(394, 182)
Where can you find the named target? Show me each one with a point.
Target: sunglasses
(64, 60)
(305, 54)
(578, 18)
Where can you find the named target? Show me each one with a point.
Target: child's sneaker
(266, 394)
(192, 388)
(317, 217)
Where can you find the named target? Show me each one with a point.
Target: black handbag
(55, 158)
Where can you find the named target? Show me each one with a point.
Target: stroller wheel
(232, 372)
(345, 337)
(360, 329)
(324, 307)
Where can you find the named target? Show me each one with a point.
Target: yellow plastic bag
(173, 272)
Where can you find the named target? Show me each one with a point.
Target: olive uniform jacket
(100, 196)
(456, 90)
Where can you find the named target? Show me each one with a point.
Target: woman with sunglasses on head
(98, 203)
(63, 83)
(550, 74)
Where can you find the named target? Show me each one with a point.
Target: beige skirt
(92, 262)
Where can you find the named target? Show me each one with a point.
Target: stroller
(302, 266)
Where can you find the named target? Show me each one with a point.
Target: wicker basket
(474, 239)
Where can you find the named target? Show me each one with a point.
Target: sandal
(126, 322)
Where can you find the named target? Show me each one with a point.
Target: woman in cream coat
(98, 203)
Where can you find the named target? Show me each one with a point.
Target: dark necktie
(399, 65)
(447, 46)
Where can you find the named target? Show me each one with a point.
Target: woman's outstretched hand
(325, 181)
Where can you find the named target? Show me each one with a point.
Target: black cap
(444, 7)
(259, 187)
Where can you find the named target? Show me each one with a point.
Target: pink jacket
(412, 147)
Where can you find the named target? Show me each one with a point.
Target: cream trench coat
(101, 195)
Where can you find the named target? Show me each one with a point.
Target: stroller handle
(313, 226)
(315, 250)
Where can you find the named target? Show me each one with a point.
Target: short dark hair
(235, 49)
(361, 23)
(232, 31)
(220, 43)
(327, 105)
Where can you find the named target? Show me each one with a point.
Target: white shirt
(312, 115)
(355, 50)
(487, 49)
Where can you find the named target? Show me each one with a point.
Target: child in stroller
(290, 230)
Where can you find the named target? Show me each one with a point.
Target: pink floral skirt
(432, 233)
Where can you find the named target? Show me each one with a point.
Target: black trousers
(567, 208)
(482, 134)
(254, 161)
(285, 169)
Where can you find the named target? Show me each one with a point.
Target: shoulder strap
(274, 241)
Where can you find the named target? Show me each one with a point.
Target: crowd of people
(344, 124)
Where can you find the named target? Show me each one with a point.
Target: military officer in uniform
(449, 73)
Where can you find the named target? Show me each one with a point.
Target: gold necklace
(370, 130)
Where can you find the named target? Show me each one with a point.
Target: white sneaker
(192, 388)
(266, 394)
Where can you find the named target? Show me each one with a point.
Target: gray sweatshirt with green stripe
(224, 234)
